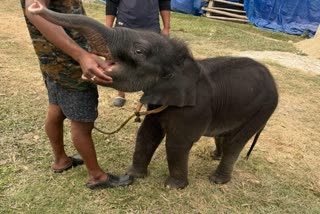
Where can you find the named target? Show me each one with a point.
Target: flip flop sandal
(76, 160)
(113, 181)
(119, 101)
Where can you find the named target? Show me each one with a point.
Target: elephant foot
(216, 156)
(136, 173)
(219, 179)
(173, 183)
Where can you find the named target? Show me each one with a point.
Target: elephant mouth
(109, 67)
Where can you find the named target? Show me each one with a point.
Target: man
(63, 61)
(138, 14)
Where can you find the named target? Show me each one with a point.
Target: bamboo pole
(211, 4)
(228, 19)
(231, 3)
(227, 9)
(224, 13)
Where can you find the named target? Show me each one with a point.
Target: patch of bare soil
(290, 60)
(309, 63)
(311, 46)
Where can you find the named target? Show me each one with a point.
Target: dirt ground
(311, 46)
(309, 63)
(304, 63)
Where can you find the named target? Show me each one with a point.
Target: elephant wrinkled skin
(228, 98)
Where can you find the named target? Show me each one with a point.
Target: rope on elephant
(136, 114)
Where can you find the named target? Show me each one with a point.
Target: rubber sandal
(119, 101)
(76, 160)
(113, 181)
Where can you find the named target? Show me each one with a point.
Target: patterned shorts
(80, 106)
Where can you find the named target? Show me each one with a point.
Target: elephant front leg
(150, 135)
(177, 158)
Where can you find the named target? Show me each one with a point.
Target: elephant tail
(256, 137)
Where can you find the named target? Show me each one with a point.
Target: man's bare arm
(165, 16)
(91, 64)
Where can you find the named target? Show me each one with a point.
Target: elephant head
(161, 67)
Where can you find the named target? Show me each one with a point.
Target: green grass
(227, 34)
(281, 176)
(223, 37)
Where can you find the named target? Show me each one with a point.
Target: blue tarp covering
(188, 6)
(289, 16)
(191, 6)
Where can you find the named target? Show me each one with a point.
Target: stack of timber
(225, 10)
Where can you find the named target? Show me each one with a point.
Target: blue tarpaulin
(188, 6)
(191, 6)
(289, 16)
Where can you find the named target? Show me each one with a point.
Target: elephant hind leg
(217, 153)
(234, 143)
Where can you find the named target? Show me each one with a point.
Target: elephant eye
(138, 51)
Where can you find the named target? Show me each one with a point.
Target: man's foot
(111, 182)
(75, 161)
(119, 101)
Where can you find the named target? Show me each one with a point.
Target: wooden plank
(229, 2)
(228, 19)
(228, 9)
(224, 13)
(317, 35)
(210, 4)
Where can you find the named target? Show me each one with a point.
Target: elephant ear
(178, 88)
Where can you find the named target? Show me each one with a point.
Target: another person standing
(63, 61)
(138, 14)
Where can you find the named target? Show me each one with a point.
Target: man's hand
(92, 68)
(165, 31)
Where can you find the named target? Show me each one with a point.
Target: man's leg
(121, 94)
(82, 140)
(54, 130)
(81, 108)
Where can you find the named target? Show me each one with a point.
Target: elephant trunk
(98, 35)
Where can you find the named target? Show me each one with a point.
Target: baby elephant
(228, 98)
(233, 100)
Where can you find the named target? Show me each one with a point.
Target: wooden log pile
(225, 10)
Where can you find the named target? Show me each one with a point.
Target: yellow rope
(137, 114)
